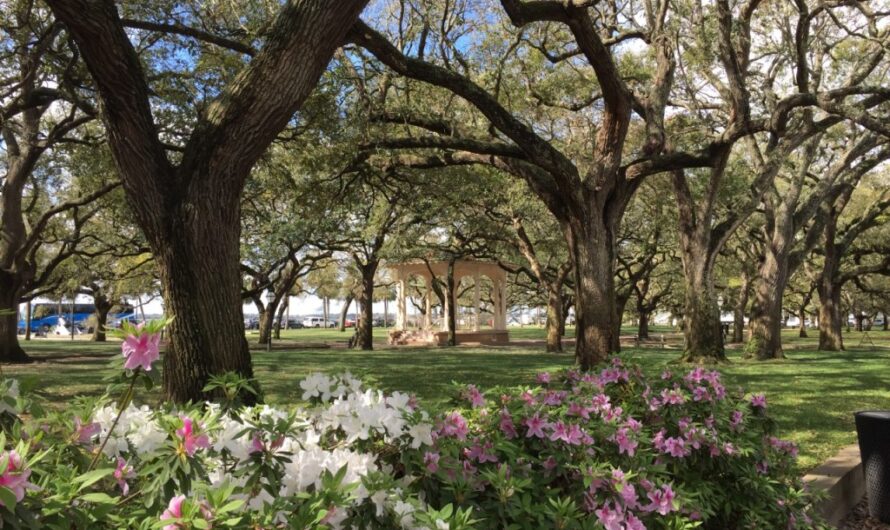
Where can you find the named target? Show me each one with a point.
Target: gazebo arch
(427, 334)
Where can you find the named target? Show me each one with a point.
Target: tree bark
(831, 337)
(643, 326)
(28, 320)
(451, 304)
(555, 321)
(10, 350)
(766, 316)
(207, 332)
(343, 311)
(282, 307)
(802, 326)
(265, 325)
(591, 243)
(701, 312)
(103, 307)
(620, 305)
(365, 324)
(738, 324)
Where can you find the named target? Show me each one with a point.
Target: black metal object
(873, 428)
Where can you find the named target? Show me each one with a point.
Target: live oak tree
(853, 245)
(187, 200)
(815, 177)
(42, 206)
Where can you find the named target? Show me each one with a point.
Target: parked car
(317, 322)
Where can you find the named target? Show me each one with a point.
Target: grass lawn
(811, 394)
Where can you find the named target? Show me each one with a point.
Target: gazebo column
(444, 324)
(476, 300)
(401, 305)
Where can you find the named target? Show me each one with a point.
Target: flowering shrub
(614, 450)
(577, 450)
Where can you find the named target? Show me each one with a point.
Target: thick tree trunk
(264, 325)
(766, 317)
(620, 304)
(566, 307)
(592, 246)
(802, 325)
(555, 320)
(280, 319)
(860, 318)
(365, 325)
(199, 271)
(451, 304)
(701, 313)
(643, 326)
(103, 307)
(344, 311)
(10, 350)
(831, 336)
(738, 324)
(28, 320)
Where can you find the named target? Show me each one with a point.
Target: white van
(315, 322)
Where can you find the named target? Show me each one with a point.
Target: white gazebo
(471, 328)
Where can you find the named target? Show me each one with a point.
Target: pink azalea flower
(553, 399)
(173, 511)
(626, 445)
(507, 426)
(611, 519)
(431, 461)
(141, 351)
(632, 523)
(480, 453)
(662, 500)
(543, 378)
(633, 425)
(191, 441)
(675, 447)
(84, 433)
(123, 472)
(701, 393)
(550, 463)
(476, 398)
(600, 402)
(15, 476)
(535, 426)
(758, 401)
(629, 496)
(455, 425)
(559, 432)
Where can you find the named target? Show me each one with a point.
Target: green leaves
(91, 477)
